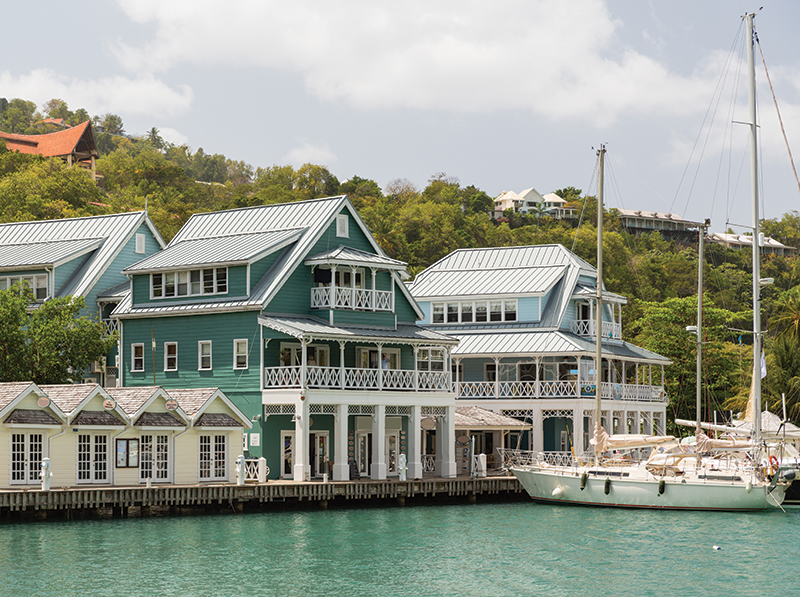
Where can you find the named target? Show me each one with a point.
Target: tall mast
(598, 330)
(756, 233)
(703, 227)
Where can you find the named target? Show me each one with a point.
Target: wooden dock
(133, 502)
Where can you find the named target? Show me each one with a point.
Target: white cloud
(310, 153)
(562, 60)
(172, 136)
(144, 94)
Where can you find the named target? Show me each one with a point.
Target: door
(287, 457)
(364, 452)
(392, 452)
(214, 457)
(26, 457)
(93, 458)
(154, 458)
(318, 453)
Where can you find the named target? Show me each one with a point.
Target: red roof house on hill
(76, 145)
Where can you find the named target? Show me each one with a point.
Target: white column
(379, 442)
(300, 452)
(341, 466)
(577, 429)
(536, 442)
(438, 446)
(448, 463)
(341, 364)
(414, 466)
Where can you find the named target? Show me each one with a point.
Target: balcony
(544, 390)
(586, 328)
(357, 299)
(347, 378)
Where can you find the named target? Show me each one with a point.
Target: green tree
(51, 343)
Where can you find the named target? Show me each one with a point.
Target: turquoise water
(494, 549)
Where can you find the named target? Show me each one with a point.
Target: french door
(93, 458)
(392, 452)
(154, 458)
(287, 454)
(318, 453)
(27, 451)
(213, 457)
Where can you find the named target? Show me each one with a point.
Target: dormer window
(36, 282)
(197, 282)
(474, 311)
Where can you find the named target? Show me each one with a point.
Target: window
(204, 355)
(127, 453)
(342, 226)
(438, 313)
(490, 372)
(213, 457)
(430, 359)
(452, 312)
(27, 450)
(240, 354)
(316, 355)
(170, 356)
(509, 310)
(480, 312)
(477, 311)
(196, 282)
(137, 357)
(466, 312)
(496, 311)
(139, 243)
(36, 282)
(154, 458)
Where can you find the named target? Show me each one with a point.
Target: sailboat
(673, 477)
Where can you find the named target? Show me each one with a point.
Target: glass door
(154, 458)
(318, 453)
(287, 449)
(364, 452)
(26, 457)
(392, 452)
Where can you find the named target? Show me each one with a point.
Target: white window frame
(290, 435)
(200, 355)
(34, 281)
(139, 248)
(182, 280)
(150, 447)
(32, 449)
(214, 461)
(393, 354)
(426, 355)
(342, 226)
(134, 358)
(236, 353)
(441, 311)
(296, 352)
(167, 356)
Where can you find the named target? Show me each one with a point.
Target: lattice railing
(358, 379)
(586, 327)
(433, 411)
(322, 409)
(429, 463)
(360, 409)
(361, 299)
(323, 377)
(255, 470)
(534, 390)
(278, 409)
(398, 379)
(277, 377)
(398, 411)
(432, 380)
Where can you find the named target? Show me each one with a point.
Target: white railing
(586, 327)
(429, 463)
(357, 379)
(533, 390)
(256, 470)
(359, 299)
(511, 458)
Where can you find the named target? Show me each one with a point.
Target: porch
(356, 378)
(545, 390)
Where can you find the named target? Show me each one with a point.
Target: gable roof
(527, 270)
(293, 227)
(109, 233)
(45, 254)
(475, 417)
(78, 140)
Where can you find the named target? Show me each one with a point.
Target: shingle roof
(115, 229)
(132, 399)
(97, 417)
(192, 400)
(149, 419)
(26, 416)
(230, 250)
(11, 390)
(473, 417)
(79, 138)
(68, 396)
(217, 420)
(45, 254)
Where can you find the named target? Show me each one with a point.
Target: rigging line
(583, 207)
(717, 90)
(777, 109)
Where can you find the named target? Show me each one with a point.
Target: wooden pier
(133, 502)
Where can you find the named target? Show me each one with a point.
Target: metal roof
(311, 327)
(115, 229)
(229, 250)
(506, 281)
(45, 254)
(350, 256)
(542, 343)
(126, 310)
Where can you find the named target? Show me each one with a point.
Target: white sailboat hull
(637, 489)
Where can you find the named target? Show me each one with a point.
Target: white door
(154, 458)
(318, 452)
(93, 458)
(287, 449)
(214, 457)
(26, 457)
(392, 452)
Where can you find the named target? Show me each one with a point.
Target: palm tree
(786, 320)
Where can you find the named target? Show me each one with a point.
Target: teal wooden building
(78, 257)
(295, 312)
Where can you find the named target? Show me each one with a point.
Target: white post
(300, 451)
(341, 465)
(577, 430)
(240, 469)
(448, 462)
(379, 442)
(341, 364)
(415, 448)
(262, 470)
(46, 474)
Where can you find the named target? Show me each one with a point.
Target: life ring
(773, 465)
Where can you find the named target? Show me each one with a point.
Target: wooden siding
(259, 269)
(371, 318)
(528, 308)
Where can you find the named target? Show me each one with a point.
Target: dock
(77, 503)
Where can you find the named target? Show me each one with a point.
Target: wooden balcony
(349, 378)
(356, 299)
(545, 390)
(586, 328)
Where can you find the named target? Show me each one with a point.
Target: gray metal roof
(350, 256)
(45, 254)
(115, 229)
(126, 310)
(546, 343)
(219, 250)
(517, 281)
(116, 292)
(311, 327)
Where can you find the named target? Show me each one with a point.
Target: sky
(503, 96)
